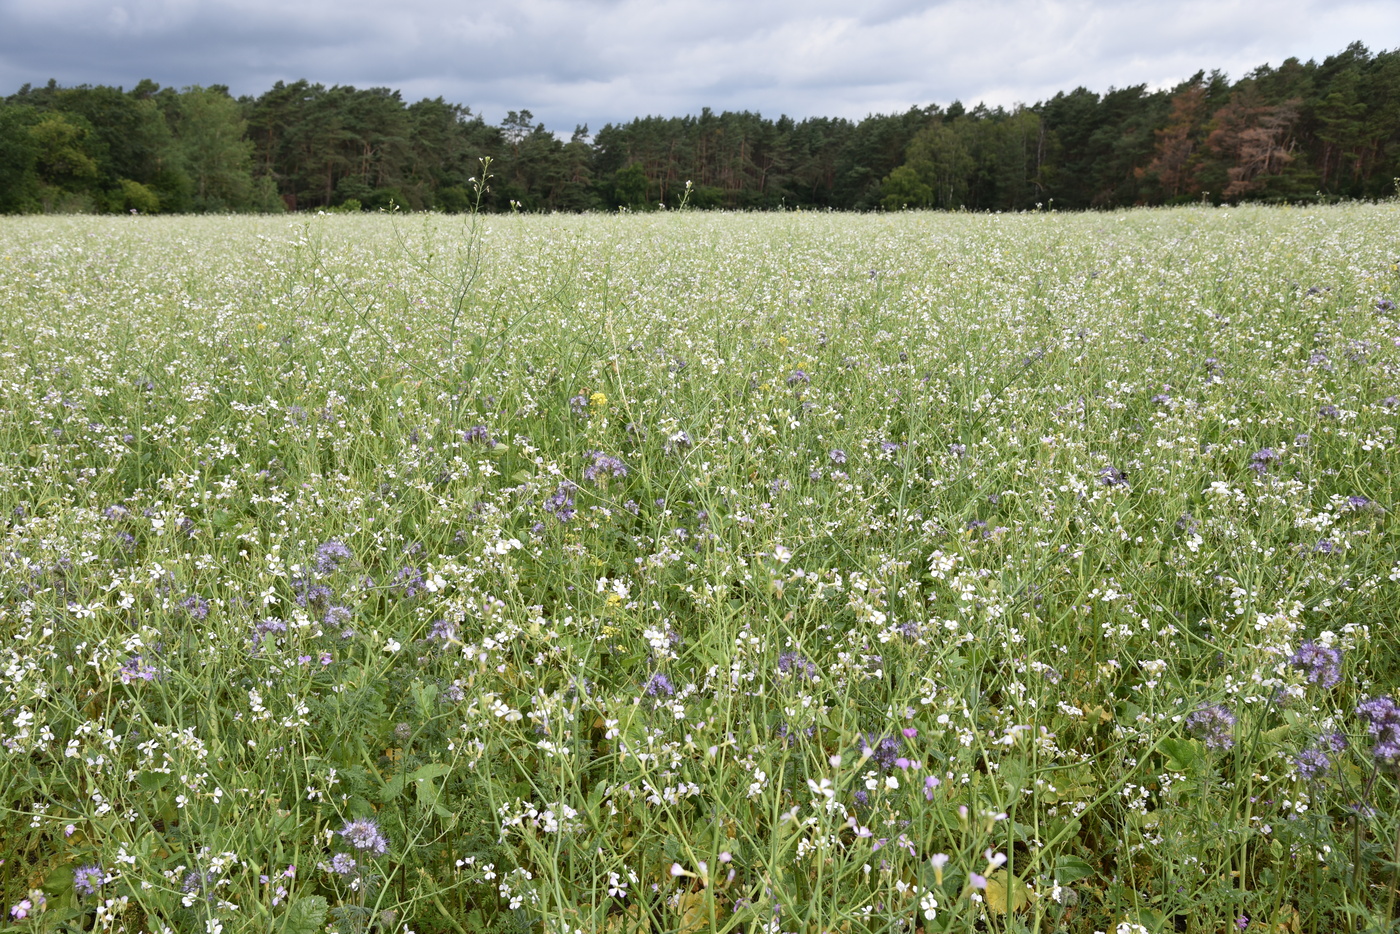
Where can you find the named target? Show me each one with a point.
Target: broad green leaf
(305, 915)
(1069, 869)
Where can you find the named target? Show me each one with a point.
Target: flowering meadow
(662, 574)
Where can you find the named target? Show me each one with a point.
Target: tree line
(1302, 131)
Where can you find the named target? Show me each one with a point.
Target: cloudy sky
(595, 61)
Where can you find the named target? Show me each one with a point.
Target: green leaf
(423, 782)
(1015, 773)
(1179, 753)
(423, 697)
(430, 771)
(393, 788)
(305, 915)
(1070, 869)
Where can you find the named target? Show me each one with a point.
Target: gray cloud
(595, 61)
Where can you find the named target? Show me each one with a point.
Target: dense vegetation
(689, 572)
(1298, 132)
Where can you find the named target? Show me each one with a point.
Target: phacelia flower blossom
(136, 669)
(1213, 725)
(794, 664)
(315, 595)
(195, 607)
(603, 466)
(88, 879)
(837, 456)
(443, 630)
(884, 750)
(1311, 764)
(330, 555)
(343, 864)
(560, 504)
(1382, 718)
(1321, 664)
(658, 685)
(1112, 476)
(364, 835)
(1261, 459)
(798, 377)
(479, 434)
(408, 582)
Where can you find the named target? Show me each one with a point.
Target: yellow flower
(597, 400)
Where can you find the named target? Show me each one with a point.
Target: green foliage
(903, 188)
(214, 151)
(19, 179)
(1294, 133)
(137, 198)
(630, 188)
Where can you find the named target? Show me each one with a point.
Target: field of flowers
(687, 572)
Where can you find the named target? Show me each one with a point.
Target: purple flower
(136, 669)
(197, 883)
(444, 630)
(407, 582)
(837, 456)
(264, 626)
(343, 864)
(316, 595)
(1329, 411)
(1311, 764)
(1112, 476)
(480, 434)
(603, 465)
(884, 750)
(658, 685)
(579, 405)
(799, 377)
(560, 504)
(1390, 402)
(1213, 725)
(1385, 304)
(1383, 722)
(195, 607)
(329, 556)
(792, 663)
(364, 835)
(88, 879)
(1322, 665)
(1261, 459)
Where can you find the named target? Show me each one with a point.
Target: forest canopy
(1302, 131)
